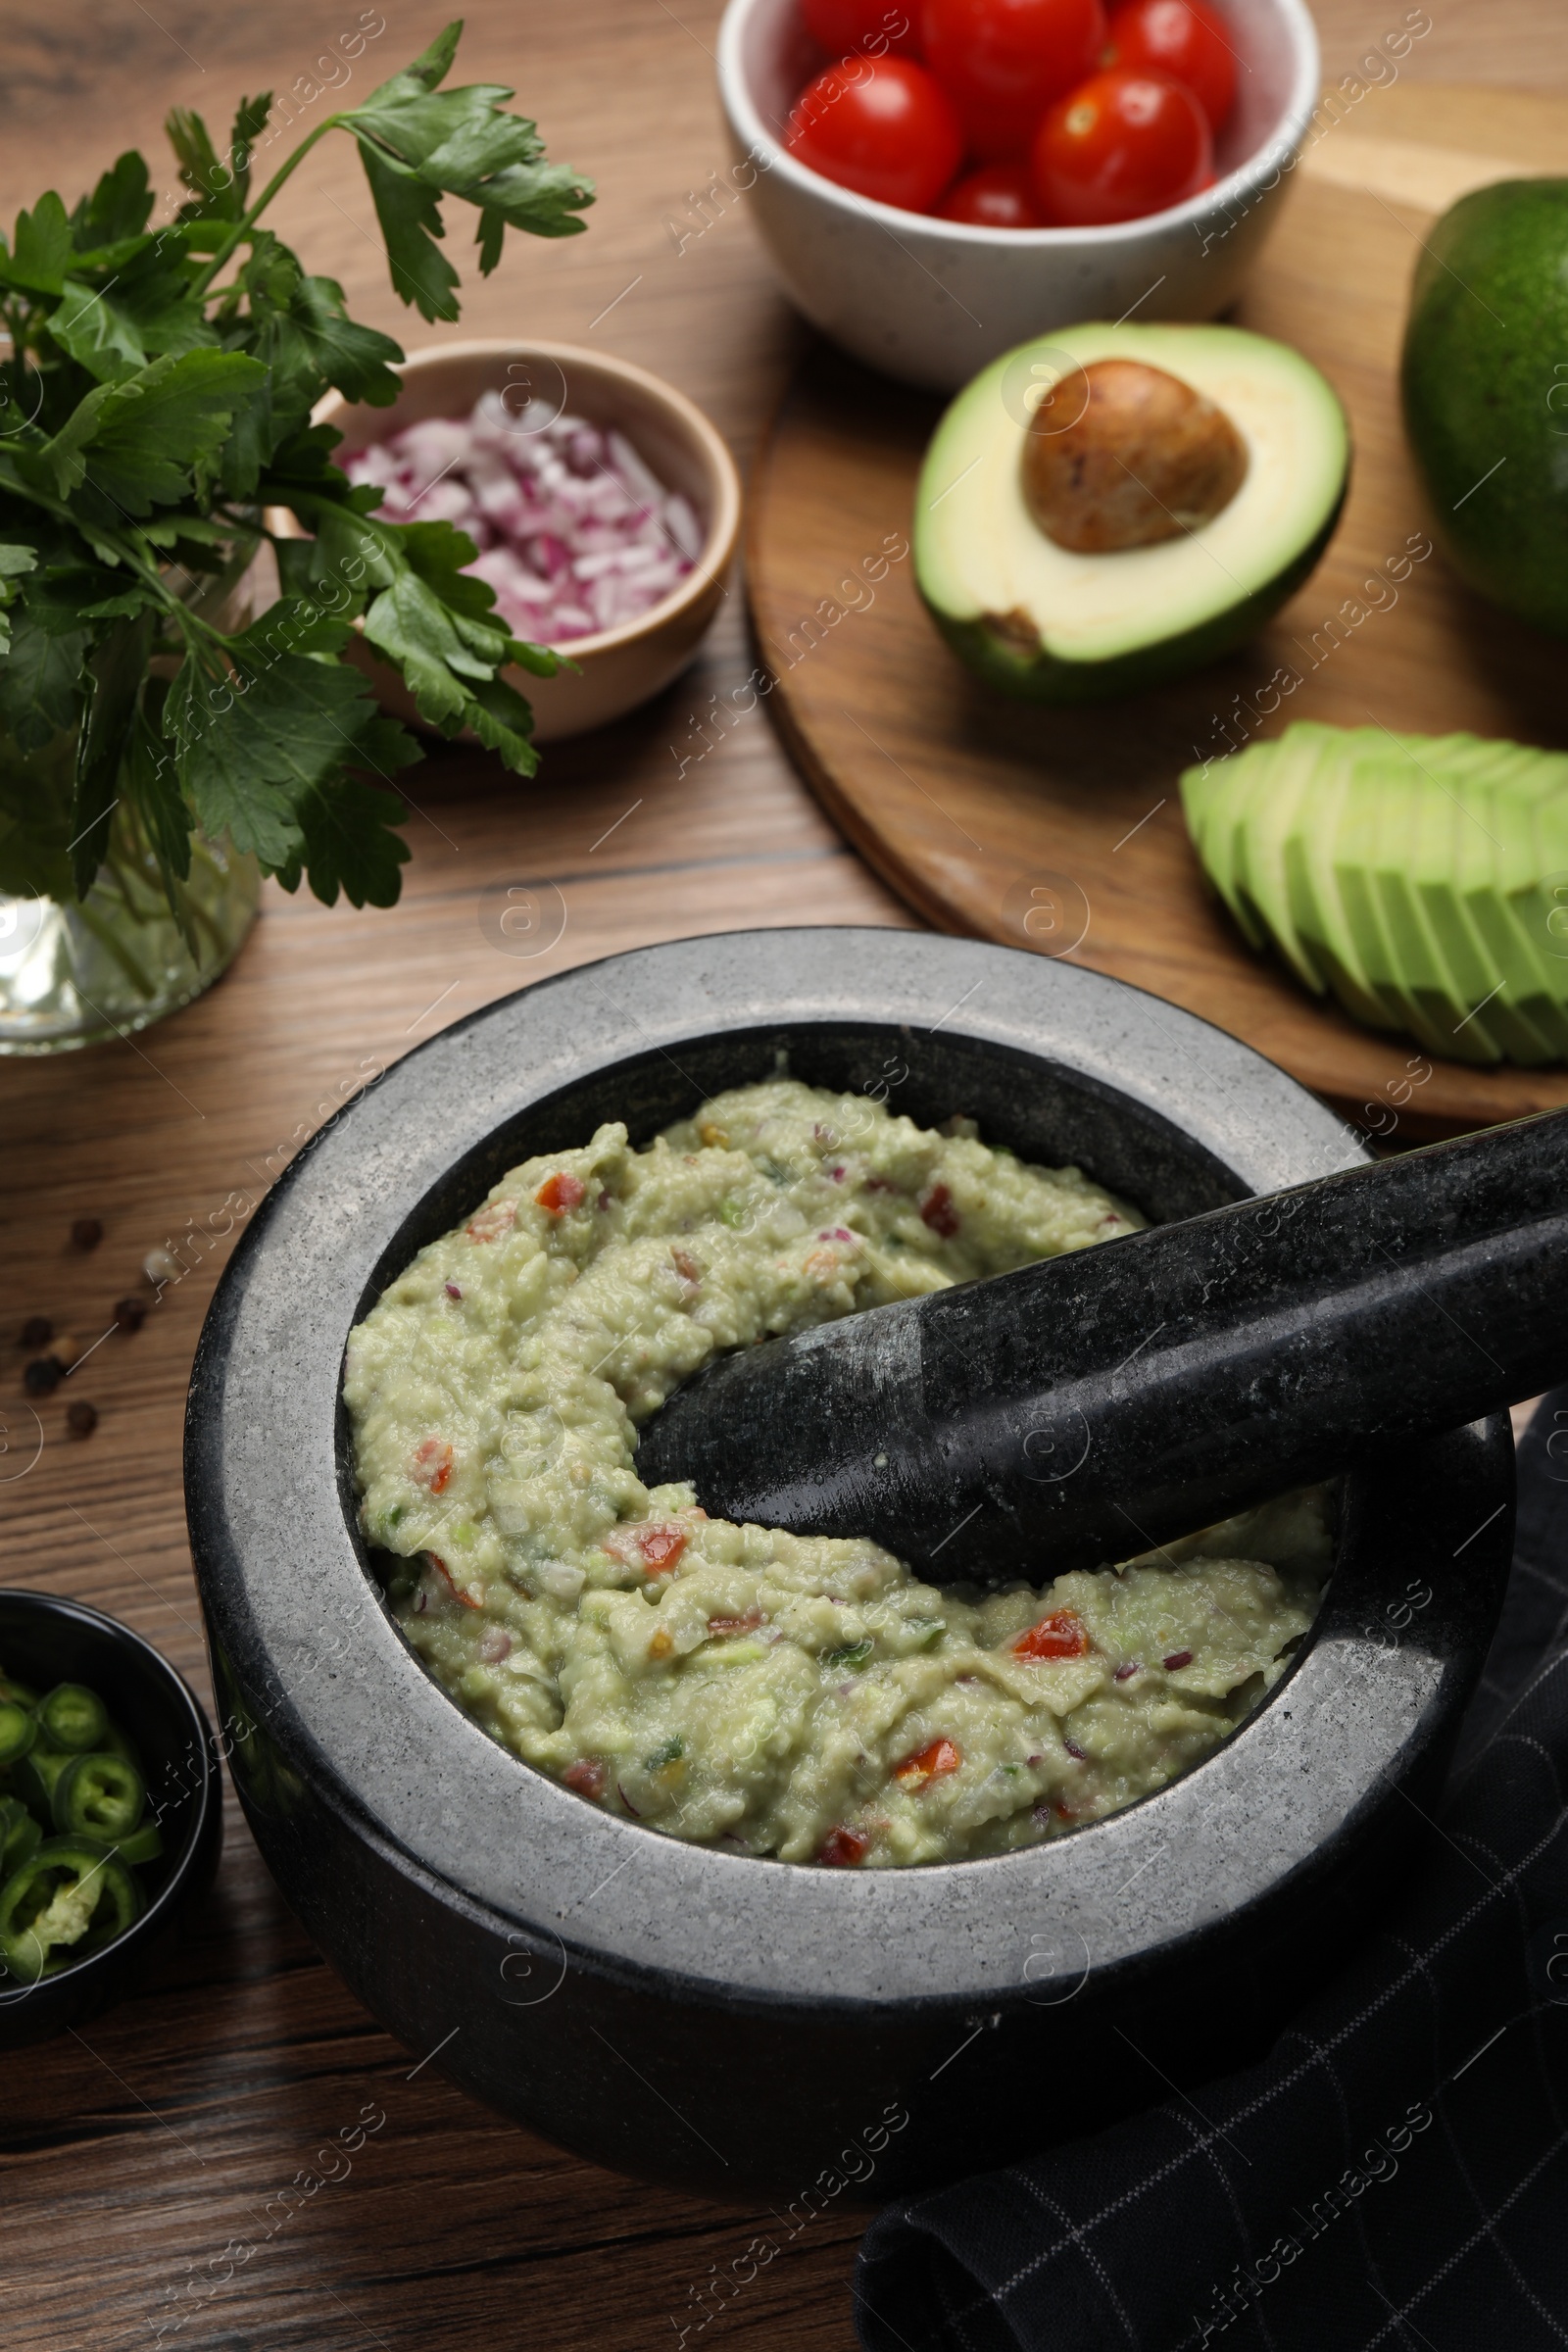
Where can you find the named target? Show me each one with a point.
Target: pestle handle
(1087, 1407)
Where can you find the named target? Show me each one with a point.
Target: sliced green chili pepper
(74, 1718)
(99, 1795)
(19, 1836)
(72, 1897)
(65, 1896)
(144, 1845)
(18, 1731)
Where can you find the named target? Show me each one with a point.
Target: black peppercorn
(43, 1376)
(37, 1331)
(88, 1233)
(130, 1313)
(81, 1418)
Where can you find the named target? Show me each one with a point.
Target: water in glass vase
(72, 971)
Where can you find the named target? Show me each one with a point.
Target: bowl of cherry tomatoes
(937, 180)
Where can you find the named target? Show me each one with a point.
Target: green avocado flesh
(1485, 381)
(1047, 625)
(1420, 879)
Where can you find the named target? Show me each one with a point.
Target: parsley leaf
(349, 844)
(417, 143)
(143, 310)
(40, 682)
(213, 195)
(498, 715)
(97, 333)
(63, 596)
(41, 251)
(142, 438)
(119, 206)
(299, 326)
(156, 397)
(410, 221)
(251, 747)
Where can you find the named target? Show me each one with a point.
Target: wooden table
(135, 2159)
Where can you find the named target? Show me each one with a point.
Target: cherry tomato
(1003, 62)
(1121, 145)
(996, 196)
(862, 28)
(882, 126)
(1184, 38)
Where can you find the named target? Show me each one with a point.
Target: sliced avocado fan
(1422, 880)
(1033, 573)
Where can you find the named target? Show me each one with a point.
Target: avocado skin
(1042, 678)
(1477, 376)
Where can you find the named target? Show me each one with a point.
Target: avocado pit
(1145, 459)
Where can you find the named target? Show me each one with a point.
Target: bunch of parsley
(155, 399)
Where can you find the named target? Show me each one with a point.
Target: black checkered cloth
(1396, 2173)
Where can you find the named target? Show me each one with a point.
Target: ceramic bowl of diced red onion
(604, 506)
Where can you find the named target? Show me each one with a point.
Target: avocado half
(1485, 381)
(1050, 626)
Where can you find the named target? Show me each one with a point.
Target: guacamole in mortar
(802, 1697)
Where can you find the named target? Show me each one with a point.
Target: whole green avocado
(1485, 381)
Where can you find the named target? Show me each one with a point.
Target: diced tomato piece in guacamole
(562, 1192)
(430, 1464)
(1061, 1635)
(492, 1221)
(931, 1764)
(937, 1211)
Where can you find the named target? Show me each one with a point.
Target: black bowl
(46, 1639)
(697, 2015)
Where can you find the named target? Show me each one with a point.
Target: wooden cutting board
(1061, 829)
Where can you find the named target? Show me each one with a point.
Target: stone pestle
(1092, 1406)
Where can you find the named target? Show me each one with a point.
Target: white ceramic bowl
(616, 668)
(932, 301)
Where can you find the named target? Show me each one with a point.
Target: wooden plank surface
(138, 2161)
(1061, 829)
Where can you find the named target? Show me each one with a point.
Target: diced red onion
(575, 532)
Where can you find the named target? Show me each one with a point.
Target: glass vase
(72, 972)
(75, 971)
